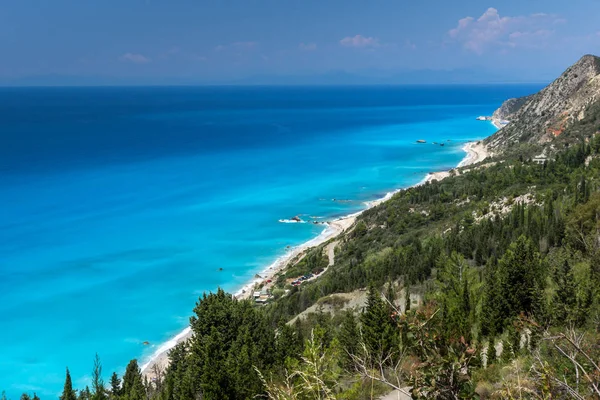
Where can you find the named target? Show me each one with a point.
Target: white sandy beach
(476, 152)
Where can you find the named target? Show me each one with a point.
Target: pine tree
(287, 343)
(586, 293)
(506, 355)
(98, 391)
(378, 332)
(225, 328)
(133, 386)
(68, 392)
(519, 282)
(565, 297)
(491, 352)
(348, 337)
(454, 296)
(85, 394)
(115, 386)
(188, 385)
(491, 320)
(466, 298)
(173, 377)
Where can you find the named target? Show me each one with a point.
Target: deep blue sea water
(118, 206)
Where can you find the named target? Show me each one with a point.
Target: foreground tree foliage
(505, 260)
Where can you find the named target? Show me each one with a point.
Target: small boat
(421, 141)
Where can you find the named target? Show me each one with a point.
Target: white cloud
(491, 30)
(308, 46)
(533, 40)
(462, 24)
(359, 41)
(135, 58)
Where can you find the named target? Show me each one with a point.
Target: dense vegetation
(507, 257)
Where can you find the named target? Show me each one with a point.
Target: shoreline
(158, 361)
(498, 123)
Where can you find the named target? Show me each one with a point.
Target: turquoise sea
(120, 206)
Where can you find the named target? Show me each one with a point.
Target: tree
(506, 355)
(491, 352)
(287, 343)
(230, 338)
(98, 390)
(68, 392)
(348, 338)
(442, 369)
(466, 300)
(454, 280)
(133, 384)
(25, 396)
(565, 297)
(491, 318)
(583, 225)
(378, 331)
(516, 286)
(578, 374)
(313, 378)
(85, 394)
(173, 378)
(115, 386)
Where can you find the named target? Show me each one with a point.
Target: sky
(292, 41)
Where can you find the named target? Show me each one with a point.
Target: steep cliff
(510, 107)
(544, 116)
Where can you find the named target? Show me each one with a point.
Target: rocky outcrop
(510, 107)
(545, 115)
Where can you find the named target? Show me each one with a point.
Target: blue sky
(220, 41)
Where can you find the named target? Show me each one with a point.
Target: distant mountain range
(376, 77)
(363, 77)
